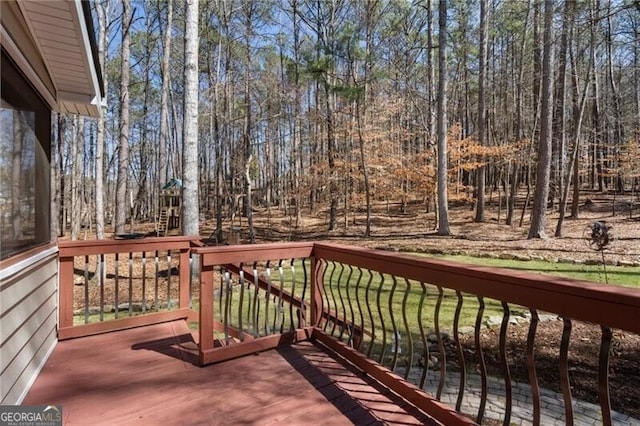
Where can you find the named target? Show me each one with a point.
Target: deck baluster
(460, 353)
(280, 305)
(508, 406)
(255, 313)
(373, 323)
(293, 294)
(341, 299)
(130, 299)
(407, 330)
(267, 296)
(531, 366)
(381, 317)
(423, 337)
(101, 274)
(86, 289)
(241, 282)
(168, 279)
(395, 333)
(144, 282)
(351, 326)
(303, 305)
(565, 385)
(603, 375)
(360, 336)
(226, 289)
(326, 293)
(480, 360)
(117, 287)
(443, 355)
(156, 300)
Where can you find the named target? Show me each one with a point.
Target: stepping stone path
(551, 403)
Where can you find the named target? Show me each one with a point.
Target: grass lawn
(617, 275)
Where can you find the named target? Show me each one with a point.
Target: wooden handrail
(612, 306)
(227, 256)
(105, 246)
(220, 255)
(68, 250)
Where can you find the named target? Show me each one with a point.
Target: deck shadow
(181, 347)
(359, 398)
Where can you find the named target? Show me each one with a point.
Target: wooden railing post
(206, 308)
(316, 291)
(65, 295)
(185, 277)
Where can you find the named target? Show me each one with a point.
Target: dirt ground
(414, 231)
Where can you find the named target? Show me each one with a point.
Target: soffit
(59, 30)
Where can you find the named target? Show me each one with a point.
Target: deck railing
(406, 314)
(107, 285)
(252, 298)
(401, 304)
(400, 318)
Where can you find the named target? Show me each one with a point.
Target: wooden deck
(147, 376)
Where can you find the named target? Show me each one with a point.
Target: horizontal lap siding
(28, 302)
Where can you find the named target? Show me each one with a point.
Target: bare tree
(164, 103)
(190, 180)
(482, 109)
(573, 165)
(101, 8)
(443, 204)
(77, 149)
(543, 171)
(123, 144)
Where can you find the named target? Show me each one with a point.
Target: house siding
(28, 317)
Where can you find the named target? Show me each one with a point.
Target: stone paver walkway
(551, 403)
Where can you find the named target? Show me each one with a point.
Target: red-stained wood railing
(348, 284)
(399, 278)
(613, 306)
(74, 261)
(245, 268)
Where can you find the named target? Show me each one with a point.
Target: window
(25, 193)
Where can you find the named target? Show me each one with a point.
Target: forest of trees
(304, 105)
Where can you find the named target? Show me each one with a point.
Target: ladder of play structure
(163, 222)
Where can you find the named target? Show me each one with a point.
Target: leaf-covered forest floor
(413, 230)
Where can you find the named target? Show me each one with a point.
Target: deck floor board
(141, 376)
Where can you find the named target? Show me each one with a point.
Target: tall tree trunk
(101, 130)
(482, 109)
(596, 164)
(331, 154)
(77, 150)
(576, 147)
(123, 144)
(618, 131)
(559, 122)
(190, 179)
(142, 197)
(541, 195)
(60, 190)
(443, 204)
(55, 181)
(246, 134)
(519, 131)
(164, 99)
(297, 119)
